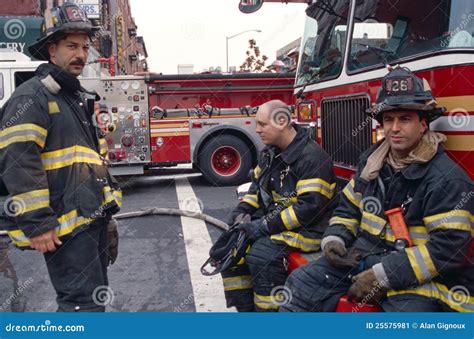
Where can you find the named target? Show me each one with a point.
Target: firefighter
(424, 266)
(289, 200)
(61, 196)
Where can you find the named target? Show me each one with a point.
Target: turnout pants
(258, 283)
(317, 287)
(78, 270)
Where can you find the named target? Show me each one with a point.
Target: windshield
(323, 42)
(386, 31)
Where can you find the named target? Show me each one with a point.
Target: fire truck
(345, 48)
(207, 120)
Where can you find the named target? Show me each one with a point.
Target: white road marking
(208, 291)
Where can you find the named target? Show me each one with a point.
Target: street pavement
(157, 269)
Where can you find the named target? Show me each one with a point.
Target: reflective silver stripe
(47, 161)
(421, 265)
(265, 302)
(371, 226)
(251, 199)
(348, 191)
(447, 221)
(289, 218)
(24, 132)
(237, 283)
(351, 224)
(298, 241)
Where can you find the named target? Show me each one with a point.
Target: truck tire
(225, 160)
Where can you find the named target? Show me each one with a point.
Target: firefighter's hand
(337, 255)
(46, 242)
(365, 286)
(255, 229)
(112, 242)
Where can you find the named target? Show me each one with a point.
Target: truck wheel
(225, 160)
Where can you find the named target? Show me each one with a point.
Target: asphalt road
(159, 256)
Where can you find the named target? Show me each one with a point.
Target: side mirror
(250, 6)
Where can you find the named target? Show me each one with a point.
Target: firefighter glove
(366, 286)
(255, 229)
(337, 255)
(112, 242)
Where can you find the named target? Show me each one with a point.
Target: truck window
(21, 77)
(409, 29)
(323, 42)
(1, 86)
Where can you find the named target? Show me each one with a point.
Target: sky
(195, 31)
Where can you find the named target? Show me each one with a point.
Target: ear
(51, 50)
(424, 125)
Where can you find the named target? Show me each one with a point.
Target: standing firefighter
(402, 231)
(61, 196)
(289, 201)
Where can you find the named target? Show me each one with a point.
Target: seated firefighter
(402, 231)
(289, 201)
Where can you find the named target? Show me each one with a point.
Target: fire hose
(176, 212)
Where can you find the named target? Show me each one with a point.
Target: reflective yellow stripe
(31, 201)
(256, 172)
(452, 220)
(354, 198)
(285, 201)
(418, 234)
(112, 195)
(68, 156)
(266, 302)
(237, 283)
(372, 223)
(53, 107)
(351, 224)
(67, 223)
(288, 216)
(251, 199)
(23, 133)
(439, 291)
(298, 241)
(420, 261)
(315, 185)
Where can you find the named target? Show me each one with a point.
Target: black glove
(112, 242)
(337, 255)
(255, 229)
(235, 215)
(365, 286)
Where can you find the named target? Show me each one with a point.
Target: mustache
(78, 62)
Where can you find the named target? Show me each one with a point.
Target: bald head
(274, 123)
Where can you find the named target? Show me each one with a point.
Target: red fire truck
(344, 50)
(206, 119)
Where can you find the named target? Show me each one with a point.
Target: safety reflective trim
(256, 172)
(420, 261)
(111, 195)
(315, 185)
(23, 133)
(418, 234)
(351, 224)
(69, 156)
(372, 223)
(354, 197)
(456, 298)
(237, 283)
(298, 241)
(266, 302)
(67, 223)
(251, 199)
(288, 216)
(286, 201)
(31, 201)
(103, 147)
(452, 220)
(53, 107)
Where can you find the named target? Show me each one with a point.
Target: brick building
(118, 36)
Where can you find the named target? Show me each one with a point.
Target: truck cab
(15, 69)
